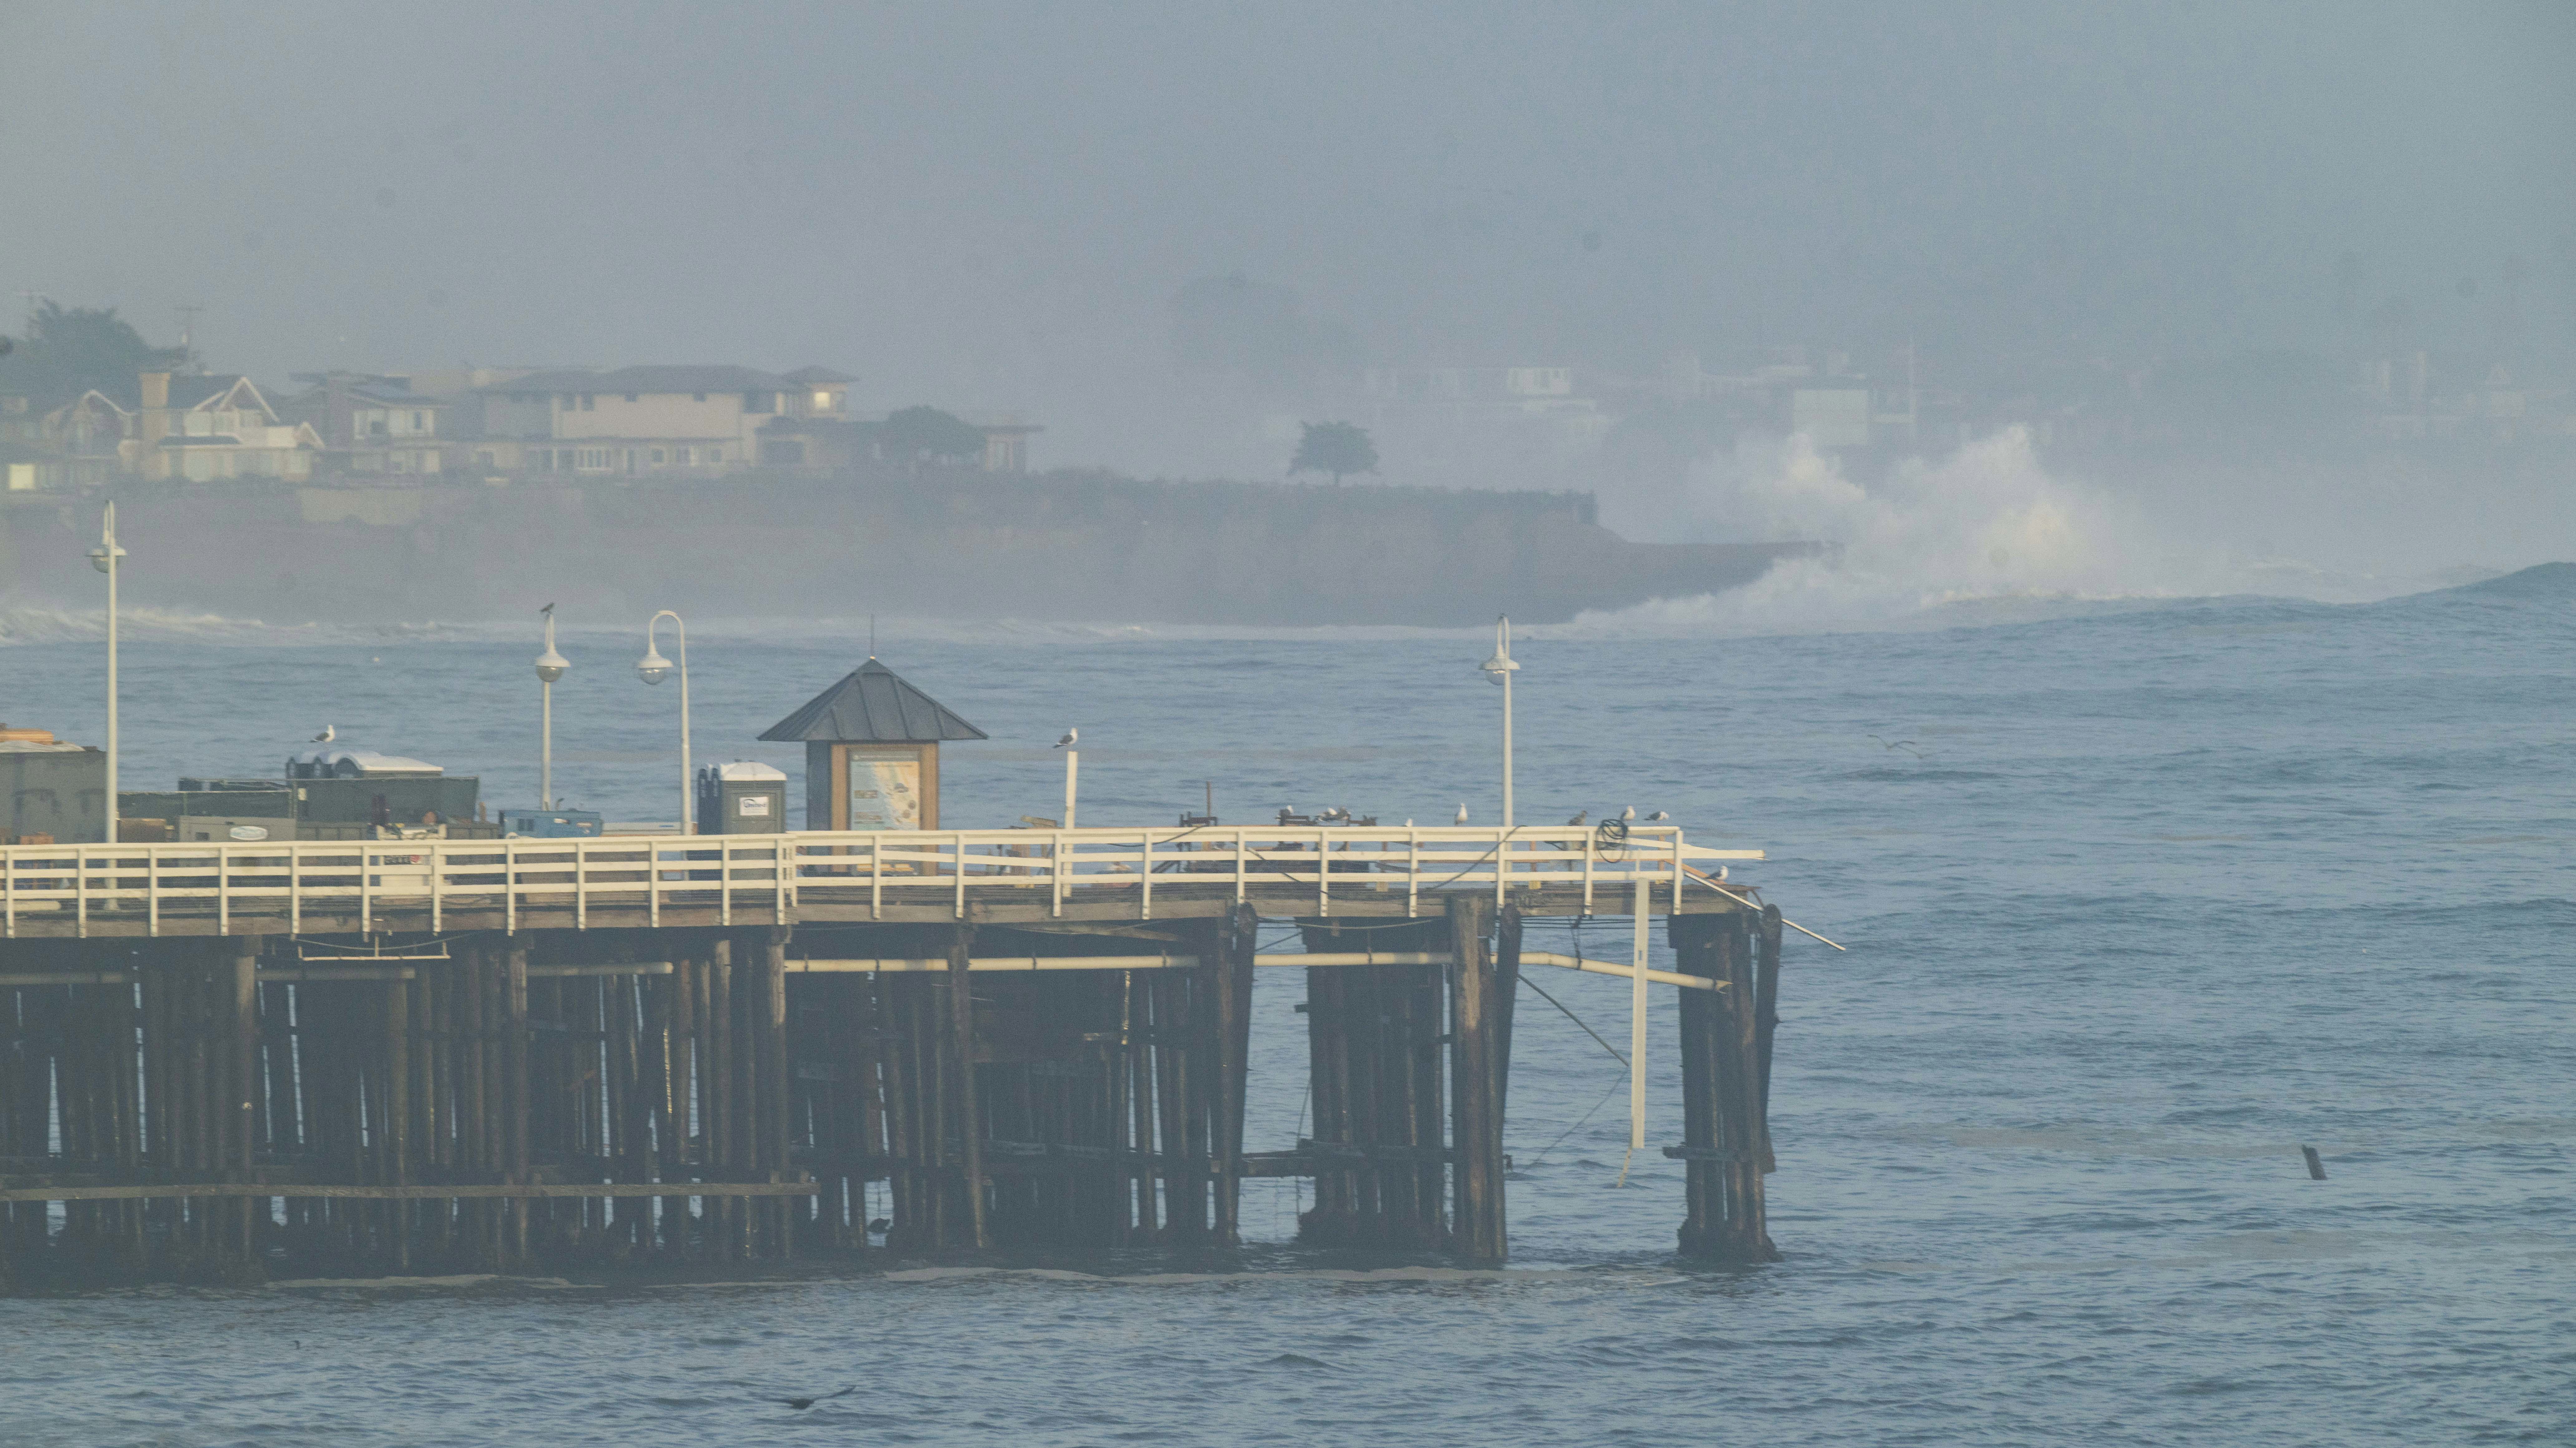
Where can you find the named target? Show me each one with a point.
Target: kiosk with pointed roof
(872, 752)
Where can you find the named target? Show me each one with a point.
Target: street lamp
(1500, 669)
(550, 667)
(103, 558)
(653, 669)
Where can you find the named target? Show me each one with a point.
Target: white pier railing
(417, 883)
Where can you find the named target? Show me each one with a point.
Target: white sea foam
(1986, 534)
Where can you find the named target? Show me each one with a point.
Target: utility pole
(187, 333)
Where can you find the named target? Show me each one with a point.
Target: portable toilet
(872, 752)
(742, 798)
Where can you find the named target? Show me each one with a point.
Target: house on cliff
(372, 425)
(202, 428)
(654, 421)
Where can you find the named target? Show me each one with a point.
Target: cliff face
(1061, 546)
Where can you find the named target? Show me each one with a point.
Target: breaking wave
(1984, 535)
(1986, 525)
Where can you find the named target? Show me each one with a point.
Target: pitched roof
(193, 390)
(812, 375)
(873, 706)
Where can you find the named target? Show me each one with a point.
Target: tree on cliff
(66, 352)
(1339, 448)
(919, 434)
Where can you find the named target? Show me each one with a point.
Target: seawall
(960, 545)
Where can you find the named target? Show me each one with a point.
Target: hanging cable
(1578, 1020)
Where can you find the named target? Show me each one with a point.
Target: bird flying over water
(1071, 738)
(1905, 744)
(801, 1404)
(1462, 811)
(328, 734)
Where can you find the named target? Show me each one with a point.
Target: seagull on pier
(328, 734)
(1658, 817)
(1070, 739)
(801, 1404)
(1462, 811)
(1629, 813)
(1580, 816)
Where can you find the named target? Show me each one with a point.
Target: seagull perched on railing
(1071, 738)
(1462, 811)
(327, 735)
(1580, 816)
(1658, 817)
(1629, 813)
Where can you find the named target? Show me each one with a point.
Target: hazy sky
(991, 206)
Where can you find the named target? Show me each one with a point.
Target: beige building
(205, 428)
(639, 421)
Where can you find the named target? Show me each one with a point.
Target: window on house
(685, 456)
(586, 401)
(760, 402)
(715, 455)
(420, 422)
(569, 401)
(657, 457)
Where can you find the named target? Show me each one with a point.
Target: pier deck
(403, 1052)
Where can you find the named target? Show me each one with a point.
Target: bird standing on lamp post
(1072, 769)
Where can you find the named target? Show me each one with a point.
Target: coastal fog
(2005, 300)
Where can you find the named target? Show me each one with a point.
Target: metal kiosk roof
(873, 705)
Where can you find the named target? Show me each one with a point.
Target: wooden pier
(430, 1054)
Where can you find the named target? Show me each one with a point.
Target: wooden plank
(418, 1192)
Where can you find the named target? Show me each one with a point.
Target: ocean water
(2138, 899)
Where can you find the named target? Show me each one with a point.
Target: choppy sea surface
(2138, 901)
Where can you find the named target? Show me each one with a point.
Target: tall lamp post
(1500, 669)
(103, 558)
(653, 669)
(550, 667)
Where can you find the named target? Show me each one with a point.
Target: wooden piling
(1232, 988)
(774, 1069)
(966, 1117)
(1766, 1014)
(1475, 1079)
(240, 1082)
